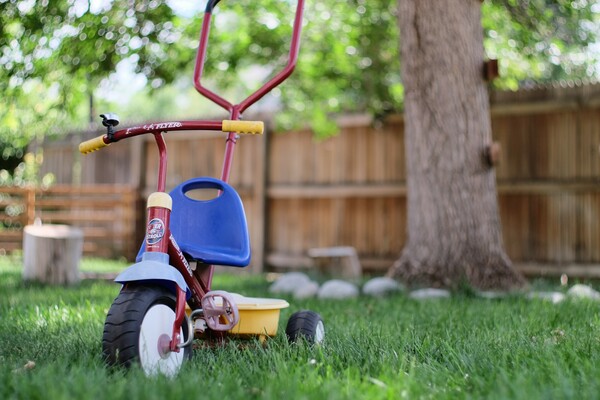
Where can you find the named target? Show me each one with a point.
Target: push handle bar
(241, 127)
(238, 109)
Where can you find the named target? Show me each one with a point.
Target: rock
(337, 289)
(554, 297)
(382, 286)
(306, 290)
(583, 292)
(429, 293)
(289, 283)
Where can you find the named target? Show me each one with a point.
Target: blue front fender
(154, 272)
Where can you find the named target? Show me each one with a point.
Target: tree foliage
(350, 59)
(541, 41)
(55, 53)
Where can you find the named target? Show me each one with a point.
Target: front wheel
(138, 324)
(305, 325)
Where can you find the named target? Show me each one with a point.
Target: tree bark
(454, 232)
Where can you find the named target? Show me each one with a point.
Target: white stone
(429, 293)
(306, 290)
(338, 289)
(583, 292)
(381, 286)
(288, 283)
(554, 297)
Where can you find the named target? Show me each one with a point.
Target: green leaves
(54, 54)
(349, 59)
(72, 38)
(541, 41)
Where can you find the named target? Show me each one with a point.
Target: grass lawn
(389, 348)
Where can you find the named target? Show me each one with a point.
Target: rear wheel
(138, 326)
(307, 325)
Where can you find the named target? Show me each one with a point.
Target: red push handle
(263, 90)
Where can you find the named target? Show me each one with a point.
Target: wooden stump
(51, 253)
(351, 268)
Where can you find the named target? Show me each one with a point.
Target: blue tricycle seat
(211, 231)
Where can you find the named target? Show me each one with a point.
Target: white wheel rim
(319, 332)
(157, 322)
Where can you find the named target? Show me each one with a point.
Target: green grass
(376, 349)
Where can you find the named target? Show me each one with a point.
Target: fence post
(30, 204)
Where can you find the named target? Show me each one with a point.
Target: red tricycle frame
(198, 280)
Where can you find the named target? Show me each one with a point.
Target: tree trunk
(454, 232)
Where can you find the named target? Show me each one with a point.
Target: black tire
(305, 325)
(123, 326)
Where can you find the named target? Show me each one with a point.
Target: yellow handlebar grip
(92, 145)
(249, 127)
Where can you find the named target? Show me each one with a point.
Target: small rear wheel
(305, 325)
(138, 327)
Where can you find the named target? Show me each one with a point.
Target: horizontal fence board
(70, 217)
(12, 235)
(14, 190)
(335, 191)
(590, 271)
(10, 221)
(552, 187)
(77, 202)
(95, 190)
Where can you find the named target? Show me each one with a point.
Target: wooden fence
(105, 213)
(349, 190)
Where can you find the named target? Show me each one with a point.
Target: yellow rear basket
(258, 316)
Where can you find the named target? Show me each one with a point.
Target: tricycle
(166, 299)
